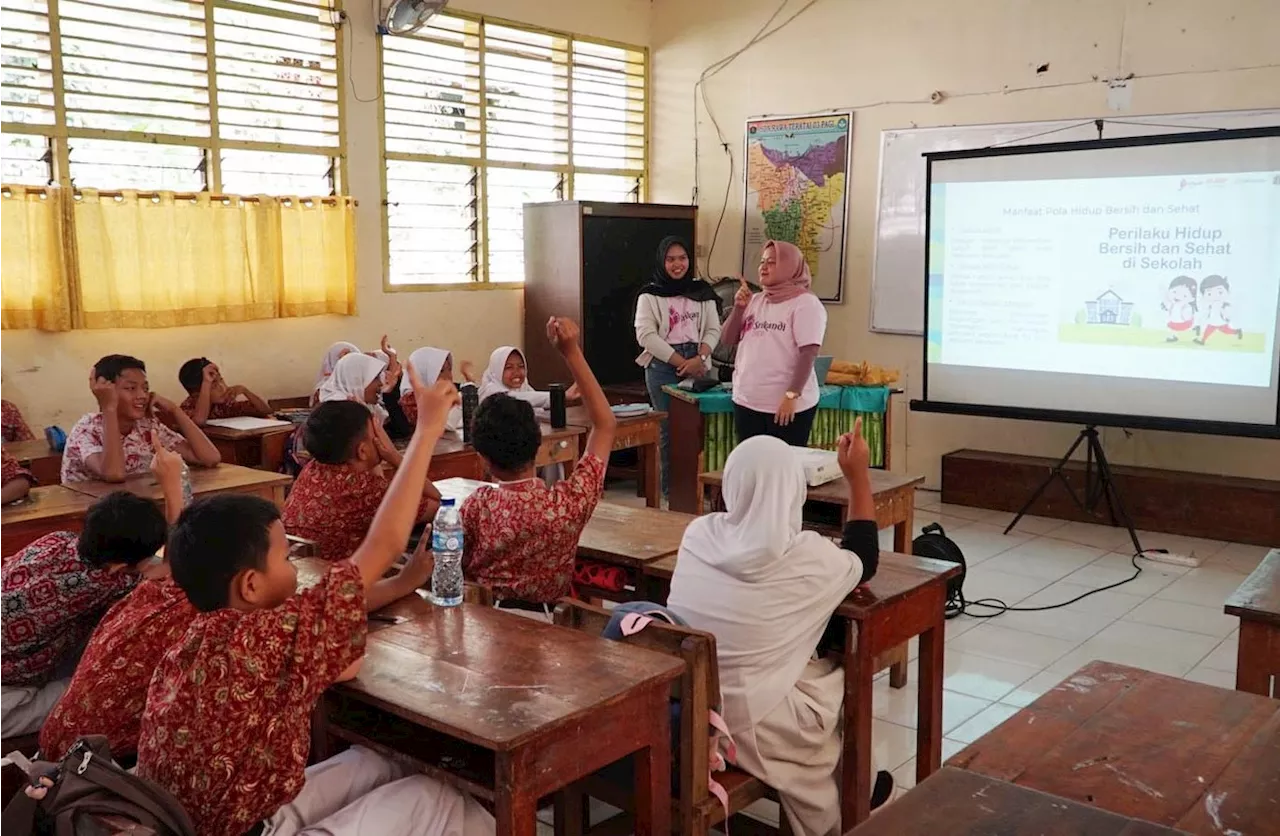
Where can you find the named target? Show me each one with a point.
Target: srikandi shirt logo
(674, 317)
(750, 325)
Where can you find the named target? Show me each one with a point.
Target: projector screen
(1130, 282)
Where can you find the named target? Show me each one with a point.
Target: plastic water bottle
(186, 485)
(446, 546)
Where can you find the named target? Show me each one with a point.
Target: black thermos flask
(470, 400)
(558, 419)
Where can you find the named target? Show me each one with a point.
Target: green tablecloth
(838, 408)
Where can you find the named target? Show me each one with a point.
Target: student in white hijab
(331, 357)
(356, 377)
(432, 364)
(767, 589)
(508, 373)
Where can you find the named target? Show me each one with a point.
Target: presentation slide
(1168, 284)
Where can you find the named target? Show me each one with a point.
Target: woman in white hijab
(508, 373)
(331, 357)
(432, 364)
(766, 589)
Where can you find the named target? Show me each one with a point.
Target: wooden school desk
(642, 433)
(44, 463)
(1182, 754)
(225, 478)
(903, 600)
(55, 508)
(562, 446)
(262, 448)
(630, 538)
(895, 497)
(954, 802)
(1257, 604)
(512, 709)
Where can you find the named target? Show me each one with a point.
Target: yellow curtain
(162, 260)
(318, 255)
(33, 278)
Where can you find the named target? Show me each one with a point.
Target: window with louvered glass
(26, 92)
(556, 110)
(432, 222)
(608, 107)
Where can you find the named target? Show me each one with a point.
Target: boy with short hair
(338, 493)
(56, 589)
(226, 727)
(16, 480)
(209, 396)
(115, 442)
(108, 691)
(521, 537)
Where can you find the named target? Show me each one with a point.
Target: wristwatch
(791, 396)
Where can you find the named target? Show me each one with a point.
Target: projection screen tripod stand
(1098, 485)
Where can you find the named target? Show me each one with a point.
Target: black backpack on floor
(934, 543)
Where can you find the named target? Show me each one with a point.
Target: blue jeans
(657, 375)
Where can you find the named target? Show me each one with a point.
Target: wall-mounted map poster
(797, 187)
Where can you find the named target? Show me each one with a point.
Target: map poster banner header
(797, 173)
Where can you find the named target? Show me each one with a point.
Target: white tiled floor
(1169, 619)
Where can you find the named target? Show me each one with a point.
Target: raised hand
(161, 404)
(165, 464)
(563, 333)
(852, 452)
(743, 296)
(434, 402)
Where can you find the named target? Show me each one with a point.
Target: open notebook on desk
(247, 423)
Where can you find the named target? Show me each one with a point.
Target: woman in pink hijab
(778, 333)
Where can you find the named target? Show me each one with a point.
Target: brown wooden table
(895, 497)
(512, 709)
(455, 459)
(562, 446)
(1257, 603)
(953, 802)
(643, 434)
(630, 538)
(1153, 747)
(44, 462)
(45, 510)
(225, 478)
(904, 599)
(263, 448)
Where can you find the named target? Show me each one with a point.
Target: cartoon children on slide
(1215, 294)
(1180, 302)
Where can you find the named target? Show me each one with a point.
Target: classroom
(633, 416)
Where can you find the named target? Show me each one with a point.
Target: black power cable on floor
(955, 610)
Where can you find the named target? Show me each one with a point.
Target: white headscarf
(379, 354)
(331, 358)
(764, 587)
(491, 383)
(351, 376)
(427, 362)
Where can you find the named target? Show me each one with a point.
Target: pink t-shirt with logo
(772, 335)
(684, 318)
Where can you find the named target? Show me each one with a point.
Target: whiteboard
(897, 282)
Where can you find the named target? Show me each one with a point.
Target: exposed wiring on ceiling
(699, 87)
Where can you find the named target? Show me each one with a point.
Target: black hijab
(688, 287)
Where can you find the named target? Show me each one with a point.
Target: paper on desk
(247, 423)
